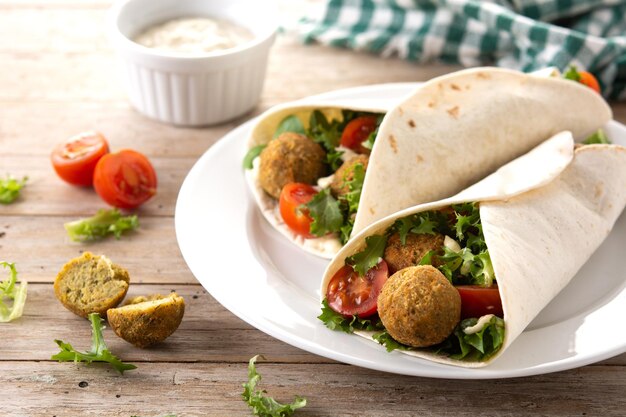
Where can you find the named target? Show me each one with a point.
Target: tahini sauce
(194, 36)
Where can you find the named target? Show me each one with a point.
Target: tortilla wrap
(539, 228)
(449, 133)
(458, 128)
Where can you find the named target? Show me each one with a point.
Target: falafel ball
(419, 306)
(291, 157)
(399, 256)
(345, 173)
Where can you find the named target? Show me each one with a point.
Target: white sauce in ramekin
(194, 36)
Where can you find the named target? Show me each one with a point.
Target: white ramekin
(193, 91)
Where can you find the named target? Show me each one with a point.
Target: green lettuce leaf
(369, 257)
(98, 353)
(262, 405)
(12, 294)
(326, 214)
(389, 342)
(10, 189)
(289, 124)
(251, 155)
(336, 321)
(477, 346)
(599, 137)
(101, 225)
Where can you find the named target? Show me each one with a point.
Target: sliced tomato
(356, 131)
(125, 179)
(75, 159)
(476, 301)
(353, 295)
(292, 197)
(590, 81)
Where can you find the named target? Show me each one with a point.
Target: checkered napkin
(521, 34)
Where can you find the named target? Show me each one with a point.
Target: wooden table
(56, 80)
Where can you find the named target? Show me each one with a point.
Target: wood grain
(58, 79)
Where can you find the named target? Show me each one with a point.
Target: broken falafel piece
(146, 322)
(91, 284)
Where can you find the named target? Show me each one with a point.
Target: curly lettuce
(12, 296)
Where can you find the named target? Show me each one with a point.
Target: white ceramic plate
(270, 283)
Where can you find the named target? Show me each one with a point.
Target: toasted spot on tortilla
(411, 123)
(483, 75)
(599, 190)
(467, 87)
(431, 104)
(455, 87)
(454, 112)
(372, 211)
(393, 143)
(400, 111)
(419, 158)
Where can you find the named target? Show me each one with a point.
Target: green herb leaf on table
(336, 321)
(262, 405)
(98, 353)
(572, 74)
(10, 189)
(251, 155)
(369, 257)
(10, 292)
(325, 212)
(289, 124)
(103, 224)
(599, 137)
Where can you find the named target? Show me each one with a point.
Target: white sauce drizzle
(482, 322)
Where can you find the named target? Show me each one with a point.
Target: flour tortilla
(539, 234)
(458, 128)
(449, 133)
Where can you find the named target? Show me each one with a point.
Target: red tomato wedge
(292, 196)
(353, 295)
(125, 179)
(477, 301)
(590, 81)
(357, 131)
(75, 159)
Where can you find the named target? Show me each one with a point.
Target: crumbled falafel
(345, 173)
(419, 306)
(399, 256)
(291, 157)
(91, 284)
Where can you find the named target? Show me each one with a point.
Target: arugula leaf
(17, 294)
(599, 137)
(428, 222)
(349, 202)
(336, 321)
(98, 353)
(325, 212)
(10, 189)
(369, 257)
(289, 124)
(262, 405)
(572, 74)
(251, 155)
(103, 224)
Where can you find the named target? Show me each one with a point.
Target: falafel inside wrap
(357, 161)
(458, 280)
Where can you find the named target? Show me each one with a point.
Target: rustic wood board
(56, 81)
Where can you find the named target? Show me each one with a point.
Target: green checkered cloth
(521, 34)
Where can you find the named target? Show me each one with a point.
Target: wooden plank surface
(57, 79)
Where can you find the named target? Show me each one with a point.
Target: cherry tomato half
(125, 179)
(353, 295)
(292, 196)
(357, 131)
(477, 301)
(590, 81)
(75, 159)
